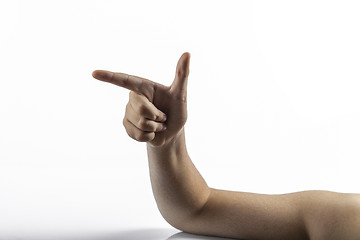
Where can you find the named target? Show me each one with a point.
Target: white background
(273, 105)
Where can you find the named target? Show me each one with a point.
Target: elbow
(183, 225)
(187, 219)
(177, 224)
(181, 220)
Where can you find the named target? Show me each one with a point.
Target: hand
(153, 106)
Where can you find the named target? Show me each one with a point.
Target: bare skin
(185, 200)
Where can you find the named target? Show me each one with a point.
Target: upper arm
(249, 216)
(300, 215)
(331, 215)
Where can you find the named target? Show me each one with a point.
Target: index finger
(133, 83)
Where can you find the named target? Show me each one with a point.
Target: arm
(186, 202)
(156, 114)
(179, 190)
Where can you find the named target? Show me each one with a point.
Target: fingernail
(164, 118)
(164, 128)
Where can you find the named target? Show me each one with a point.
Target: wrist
(179, 138)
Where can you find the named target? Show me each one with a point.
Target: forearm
(179, 189)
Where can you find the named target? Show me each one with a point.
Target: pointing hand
(155, 113)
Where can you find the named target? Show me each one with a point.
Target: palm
(176, 111)
(171, 100)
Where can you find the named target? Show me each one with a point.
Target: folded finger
(145, 108)
(143, 123)
(136, 133)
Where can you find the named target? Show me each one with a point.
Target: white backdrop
(273, 104)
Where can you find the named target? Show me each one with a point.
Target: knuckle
(128, 129)
(126, 81)
(142, 109)
(143, 123)
(180, 72)
(127, 108)
(126, 124)
(158, 127)
(150, 136)
(159, 116)
(133, 98)
(182, 98)
(132, 94)
(138, 135)
(130, 133)
(142, 137)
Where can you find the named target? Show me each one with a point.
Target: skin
(156, 114)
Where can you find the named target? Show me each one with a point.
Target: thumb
(179, 85)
